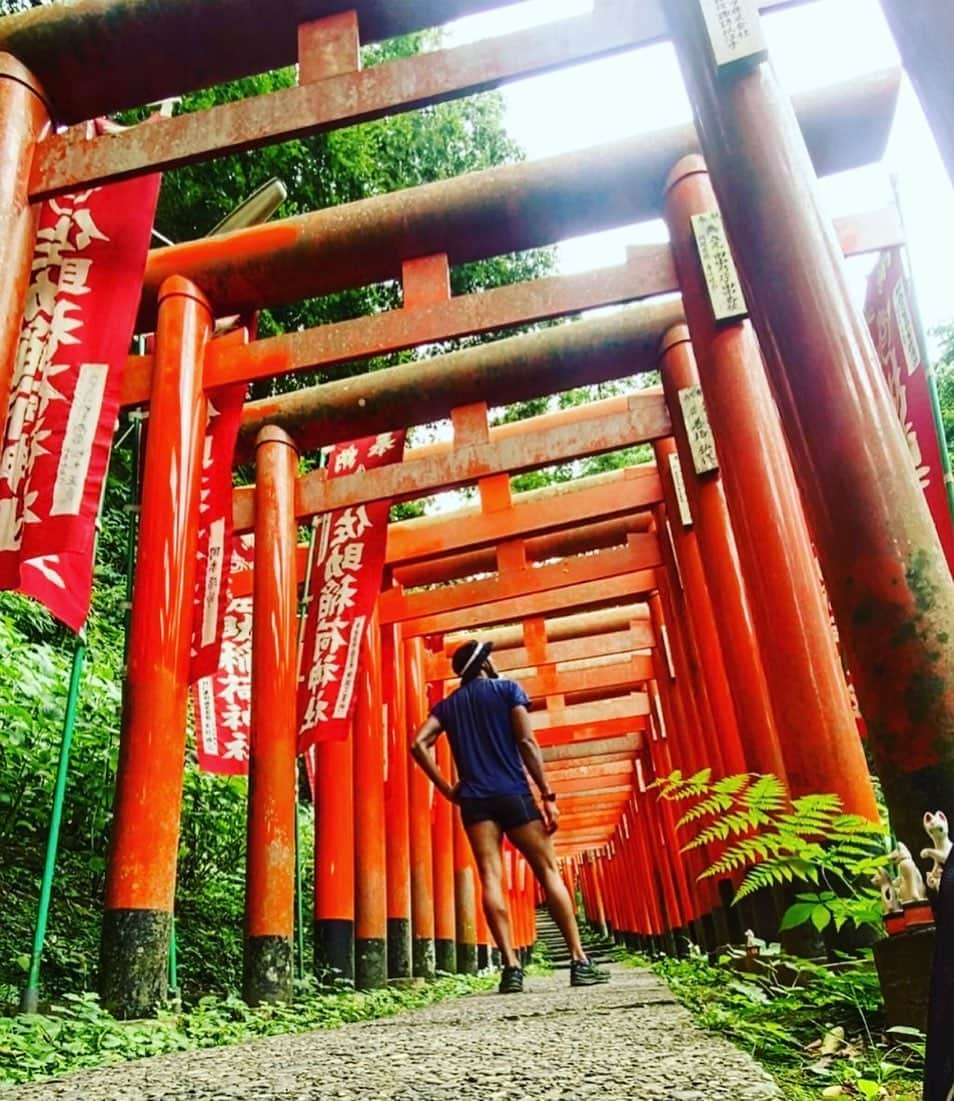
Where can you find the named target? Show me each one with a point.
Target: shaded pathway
(628, 1040)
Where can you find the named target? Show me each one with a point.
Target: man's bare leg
(537, 846)
(486, 839)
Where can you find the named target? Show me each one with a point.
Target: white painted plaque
(735, 30)
(722, 276)
(679, 484)
(701, 442)
(667, 650)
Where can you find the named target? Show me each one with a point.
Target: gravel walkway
(628, 1040)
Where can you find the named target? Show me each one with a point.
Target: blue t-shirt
(476, 717)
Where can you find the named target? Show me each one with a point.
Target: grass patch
(78, 1033)
(826, 1038)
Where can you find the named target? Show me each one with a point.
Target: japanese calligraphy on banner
(701, 440)
(222, 702)
(735, 30)
(215, 527)
(890, 317)
(346, 579)
(679, 484)
(718, 267)
(78, 319)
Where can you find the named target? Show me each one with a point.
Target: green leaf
(821, 918)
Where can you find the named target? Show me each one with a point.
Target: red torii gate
(712, 661)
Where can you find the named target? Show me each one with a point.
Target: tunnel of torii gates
(657, 619)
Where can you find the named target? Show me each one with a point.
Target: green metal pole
(299, 901)
(30, 996)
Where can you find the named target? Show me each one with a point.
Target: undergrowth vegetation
(820, 1032)
(78, 1033)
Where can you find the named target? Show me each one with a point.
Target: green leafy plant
(778, 840)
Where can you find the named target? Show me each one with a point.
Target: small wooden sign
(682, 497)
(722, 276)
(735, 30)
(701, 441)
(667, 650)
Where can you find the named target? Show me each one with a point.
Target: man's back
(477, 718)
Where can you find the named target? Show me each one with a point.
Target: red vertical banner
(345, 582)
(78, 320)
(889, 311)
(215, 528)
(222, 702)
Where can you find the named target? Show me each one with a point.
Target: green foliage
(944, 374)
(813, 1028)
(777, 840)
(78, 1033)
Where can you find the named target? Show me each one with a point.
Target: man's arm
(422, 750)
(533, 759)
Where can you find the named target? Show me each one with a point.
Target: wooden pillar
(370, 858)
(24, 119)
(887, 577)
(396, 805)
(750, 694)
(465, 900)
(334, 859)
(445, 948)
(420, 795)
(140, 882)
(813, 713)
(700, 616)
(272, 773)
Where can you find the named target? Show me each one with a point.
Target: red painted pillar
(24, 119)
(420, 795)
(465, 900)
(445, 948)
(883, 564)
(397, 806)
(370, 859)
(140, 882)
(272, 775)
(334, 859)
(817, 730)
(750, 695)
(700, 614)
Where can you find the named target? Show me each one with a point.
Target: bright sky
(812, 45)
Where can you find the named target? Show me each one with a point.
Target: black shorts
(508, 811)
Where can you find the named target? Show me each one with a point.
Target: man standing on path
(488, 725)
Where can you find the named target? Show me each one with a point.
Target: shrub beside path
(626, 1041)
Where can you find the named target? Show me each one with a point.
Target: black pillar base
(445, 956)
(134, 961)
(334, 950)
(370, 964)
(733, 916)
(721, 927)
(495, 958)
(422, 959)
(483, 957)
(466, 959)
(399, 948)
(708, 932)
(269, 969)
(683, 938)
(668, 942)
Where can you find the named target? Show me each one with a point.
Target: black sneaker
(585, 973)
(511, 981)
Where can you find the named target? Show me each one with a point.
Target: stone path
(626, 1041)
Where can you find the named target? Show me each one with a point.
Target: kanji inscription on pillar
(701, 441)
(679, 484)
(718, 267)
(735, 30)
